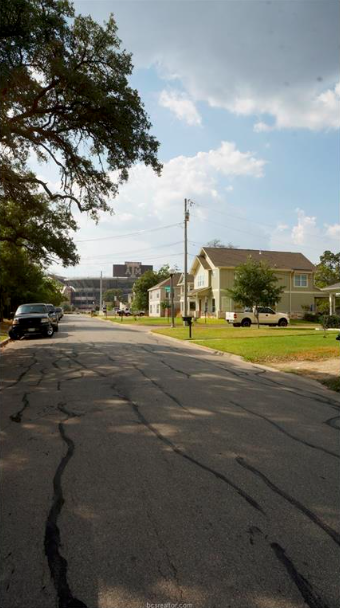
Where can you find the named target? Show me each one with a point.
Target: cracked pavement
(141, 470)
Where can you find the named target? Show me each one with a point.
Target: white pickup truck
(267, 316)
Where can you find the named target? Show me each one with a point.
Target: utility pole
(187, 204)
(172, 272)
(101, 292)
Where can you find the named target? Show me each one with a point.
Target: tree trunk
(257, 317)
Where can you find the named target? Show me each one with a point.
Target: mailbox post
(188, 323)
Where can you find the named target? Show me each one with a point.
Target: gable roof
(190, 279)
(225, 257)
(166, 282)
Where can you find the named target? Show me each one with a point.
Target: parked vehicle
(267, 316)
(51, 309)
(31, 319)
(124, 313)
(60, 312)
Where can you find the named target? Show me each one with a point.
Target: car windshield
(27, 309)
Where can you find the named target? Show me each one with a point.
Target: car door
(262, 315)
(267, 316)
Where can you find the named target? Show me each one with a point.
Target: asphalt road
(139, 471)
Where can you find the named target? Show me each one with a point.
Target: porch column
(331, 304)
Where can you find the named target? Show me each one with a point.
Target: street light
(172, 272)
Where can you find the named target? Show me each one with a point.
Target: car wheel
(283, 323)
(49, 332)
(246, 323)
(13, 335)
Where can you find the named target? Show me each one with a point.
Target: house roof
(190, 279)
(334, 287)
(202, 291)
(166, 282)
(225, 257)
(204, 262)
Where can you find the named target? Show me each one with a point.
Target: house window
(200, 280)
(213, 305)
(192, 305)
(157, 308)
(157, 294)
(300, 280)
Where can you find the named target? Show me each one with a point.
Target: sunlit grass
(264, 344)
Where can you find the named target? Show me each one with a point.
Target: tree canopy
(219, 244)
(328, 269)
(112, 295)
(140, 289)
(66, 101)
(23, 281)
(255, 285)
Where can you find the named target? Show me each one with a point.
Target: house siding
(293, 300)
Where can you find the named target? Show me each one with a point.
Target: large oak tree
(66, 100)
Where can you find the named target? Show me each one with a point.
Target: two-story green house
(214, 271)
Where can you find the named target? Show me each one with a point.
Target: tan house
(214, 271)
(160, 293)
(191, 299)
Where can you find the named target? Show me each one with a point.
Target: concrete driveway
(138, 471)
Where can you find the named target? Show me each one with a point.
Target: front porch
(333, 292)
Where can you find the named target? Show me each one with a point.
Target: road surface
(139, 471)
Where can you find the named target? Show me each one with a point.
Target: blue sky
(244, 99)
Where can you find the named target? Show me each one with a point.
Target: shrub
(311, 316)
(329, 321)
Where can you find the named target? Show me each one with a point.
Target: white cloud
(321, 112)
(147, 202)
(304, 229)
(195, 176)
(306, 236)
(276, 59)
(183, 108)
(333, 231)
(262, 127)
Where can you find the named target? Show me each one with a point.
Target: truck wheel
(13, 335)
(50, 332)
(246, 323)
(283, 323)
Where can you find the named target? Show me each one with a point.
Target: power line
(122, 253)
(251, 233)
(165, 256)
(243, 219)
(121, 236)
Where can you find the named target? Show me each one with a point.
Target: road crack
(282, 430)
(298, 505)
(17, 417)
(309, 595)
(57, 563)
(251, 501)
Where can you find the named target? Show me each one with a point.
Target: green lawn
(161, 321)
(4, 327)
(263, 345)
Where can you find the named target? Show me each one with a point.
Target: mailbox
(187, 320)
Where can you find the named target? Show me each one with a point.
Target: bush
(323, 306)
(330, 321)
(311, 316)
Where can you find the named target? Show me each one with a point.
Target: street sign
(167, 289)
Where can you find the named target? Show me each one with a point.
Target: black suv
(52, 313)
(31, 319)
